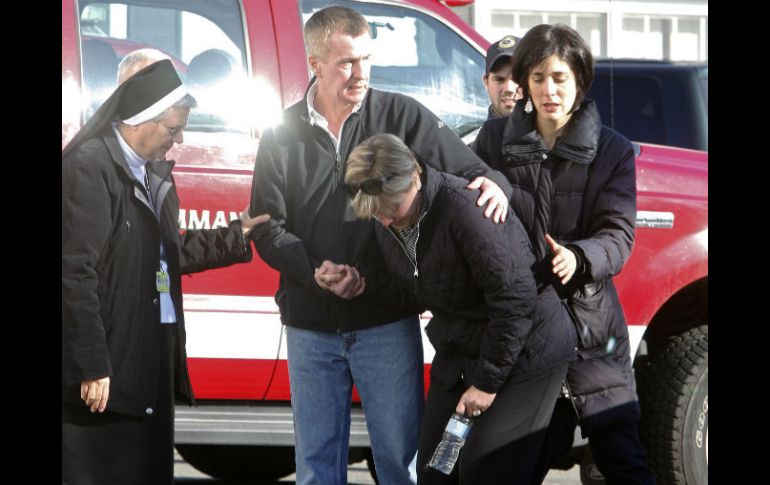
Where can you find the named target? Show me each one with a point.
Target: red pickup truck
(245, 62)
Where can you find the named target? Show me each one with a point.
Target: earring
(528, 106)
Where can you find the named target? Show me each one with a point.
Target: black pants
(504, 442)
(116, 449)
(617, 450)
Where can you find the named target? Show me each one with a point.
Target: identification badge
(162, 283)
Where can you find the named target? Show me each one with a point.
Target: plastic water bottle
(447, 451)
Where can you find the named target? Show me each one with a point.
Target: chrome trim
(246, 40)
(250, 75)
(261, 424)
(81, 81)
(655, 219)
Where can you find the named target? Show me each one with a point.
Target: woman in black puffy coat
(575, 192)
(502, 348)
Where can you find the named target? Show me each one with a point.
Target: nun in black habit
(123, 332)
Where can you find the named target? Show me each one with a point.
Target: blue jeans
(386, 364)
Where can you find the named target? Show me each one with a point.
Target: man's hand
(564, 262)
(342, 280)
(248, 223)
(328, 273)
(95, 393)
(493, 196)
(474, 402)
(350, 286)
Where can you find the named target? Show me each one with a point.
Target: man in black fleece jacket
(315, 241)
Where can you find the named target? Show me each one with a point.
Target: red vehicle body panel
(245, 379)
(662, 262)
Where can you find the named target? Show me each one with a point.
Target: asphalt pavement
(358, 474)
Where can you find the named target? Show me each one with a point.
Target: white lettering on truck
(204, 220)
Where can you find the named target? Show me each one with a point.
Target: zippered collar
(432, 182)
(578, 143)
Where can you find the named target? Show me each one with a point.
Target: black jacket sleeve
(213, 248)
(87, 225)
(499, 260)
(612, 215)
(279, 248)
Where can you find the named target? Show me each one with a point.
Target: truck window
(419, 56)
(205, 41)
(638, 113)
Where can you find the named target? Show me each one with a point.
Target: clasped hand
(341, 279)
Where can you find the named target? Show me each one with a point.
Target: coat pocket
(589, 308)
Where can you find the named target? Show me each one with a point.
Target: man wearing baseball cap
(503, 92)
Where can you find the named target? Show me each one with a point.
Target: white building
(674, 29)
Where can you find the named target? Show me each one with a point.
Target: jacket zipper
(337, 157)
(343, 148)
(414, 263)
(333, 148)
(337, 168)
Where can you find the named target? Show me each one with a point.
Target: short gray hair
(324, 23)
(186, 101)
(138, 60)
(383, 158)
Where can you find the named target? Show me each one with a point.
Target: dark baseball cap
(502, 48)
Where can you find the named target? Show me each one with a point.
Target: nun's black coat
(111, 324)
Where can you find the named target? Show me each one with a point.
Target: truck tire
(249, 464)
(673, 394)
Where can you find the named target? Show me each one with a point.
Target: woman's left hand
(474, 402)
(564, 261)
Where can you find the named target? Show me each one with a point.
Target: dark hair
(499, 64)
(544, 41)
